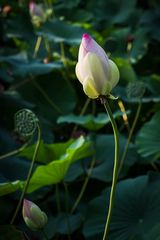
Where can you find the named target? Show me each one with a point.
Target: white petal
(114, 73)
(90, 45)
(89, 88)
(82, 53)
(78, 73)
(92, 67)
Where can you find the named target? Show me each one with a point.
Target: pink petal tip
(85, 35)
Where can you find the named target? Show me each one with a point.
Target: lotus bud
(34, 218)
(35, 9)
(98, 74)
(37, 13)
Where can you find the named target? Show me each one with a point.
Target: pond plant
(79, 127)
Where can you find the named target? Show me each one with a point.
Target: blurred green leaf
(150, 21)
(111, 11)
(46, 152)
(45, 92)
(116, 43)
(35, 68)
(139, 45)
(136, 210)
(153, 84)
(16, 28)
(59, 224)
(60, 31)
(105, 157)
(127, 72)
(55, 171)
(9, 187)
(22, 67)
(148, 139)
(89, 121)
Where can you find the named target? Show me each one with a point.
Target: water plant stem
(37, 46)
(26, 184)
(14, 152)
(115, 170)
(129, 137)
(84, 185)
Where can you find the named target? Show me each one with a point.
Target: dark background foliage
(38, 55)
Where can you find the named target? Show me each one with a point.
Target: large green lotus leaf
(71, 12)
(55, 171)
(76, 170)
(139, 45)
(153, 84)
(80, 16)
(119, 39)
(136, 210)
(148, 139)
(18, 28)
(60, 31)
(10, 232)
(21, 66)
(111, 12)
(12, 169)
(42, 80)
(65, 5)
(9, 187)
(116, 42)
(60, 223)
(105, 157)
(127, 73)
(49, 104)
(89, 121)
(35, 68)
(150, 21)
(46, 152)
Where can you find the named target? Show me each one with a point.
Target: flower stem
(37, 46)
(26, 184)
(14, 152)
(129, 137)
(115, 170)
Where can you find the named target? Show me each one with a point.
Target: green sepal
(110, 96)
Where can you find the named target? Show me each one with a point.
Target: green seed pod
(25, 123)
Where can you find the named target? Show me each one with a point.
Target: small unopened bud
(37, 13)
(35, 9)
(34, 218)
